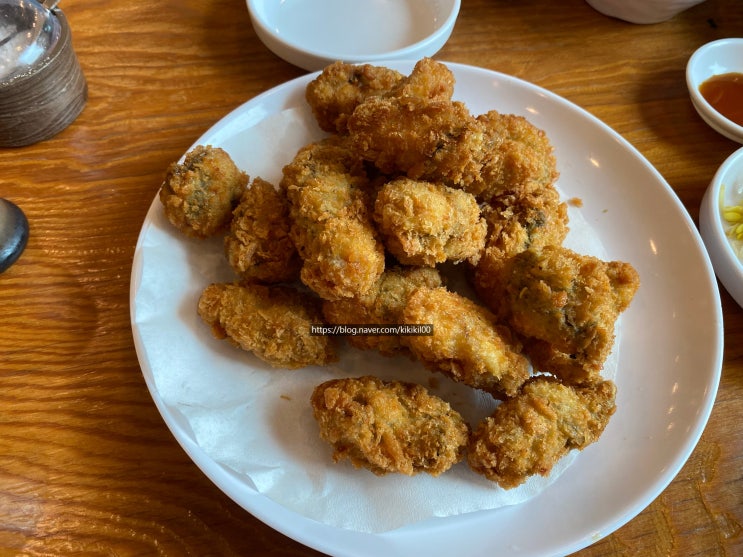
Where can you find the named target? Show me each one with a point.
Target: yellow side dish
(734, 216)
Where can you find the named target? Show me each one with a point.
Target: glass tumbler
(42, 87)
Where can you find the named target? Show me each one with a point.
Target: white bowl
(718, 57)
(314, 33)
(721, 191)
(642, 11)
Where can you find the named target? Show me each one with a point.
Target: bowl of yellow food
(721, 224)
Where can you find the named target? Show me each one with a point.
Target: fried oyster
(528, 434)
(425, 224)
(438, 140)
(341, 87)
(382, 305)
(199, 194)
(273, 322)
(332, 228)
(564, 306)
(258, 246)
(467, 344)
(389, 426)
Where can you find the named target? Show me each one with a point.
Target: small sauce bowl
(642, 11)
(314, 33)
(715, 58)
(725, 189)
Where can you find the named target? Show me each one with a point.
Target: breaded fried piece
(528, 434)
(519, 158)
(341, 87)
(382, 305)
(467, 344)
(273, 322)
(440, 141)
(432, 140)
(258, 245)
(389, 426)
(429, 80)
(564, 305)
(517, 222)
(332, 229)
(198, 195)
(425, 224)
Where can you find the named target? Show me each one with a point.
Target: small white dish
(723, 191)
(642, 11)
(714, 58)
(314, 33)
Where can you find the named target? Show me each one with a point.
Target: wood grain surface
(87, 465)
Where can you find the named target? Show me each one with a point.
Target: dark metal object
(13, 233)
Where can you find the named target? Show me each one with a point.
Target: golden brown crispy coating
(273, 322)
(467, 344)
(389, 426)
(440, 141)
(258, 245)
(329, 207)
(517, 222)
(341, 87)
(198, 195)
(519, 158)
(425, 224)
(382, 305)
(564, 305)
(429, 79)
(433, 140)
(528, 434)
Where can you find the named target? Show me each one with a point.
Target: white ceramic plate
(670, 347)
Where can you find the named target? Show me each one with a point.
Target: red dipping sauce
(725, 93)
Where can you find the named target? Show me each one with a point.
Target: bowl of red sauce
(714, 76)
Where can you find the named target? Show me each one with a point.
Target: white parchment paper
(257, 420)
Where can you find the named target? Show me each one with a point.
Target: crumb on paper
(575, 202)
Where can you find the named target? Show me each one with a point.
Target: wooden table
(87, 465)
